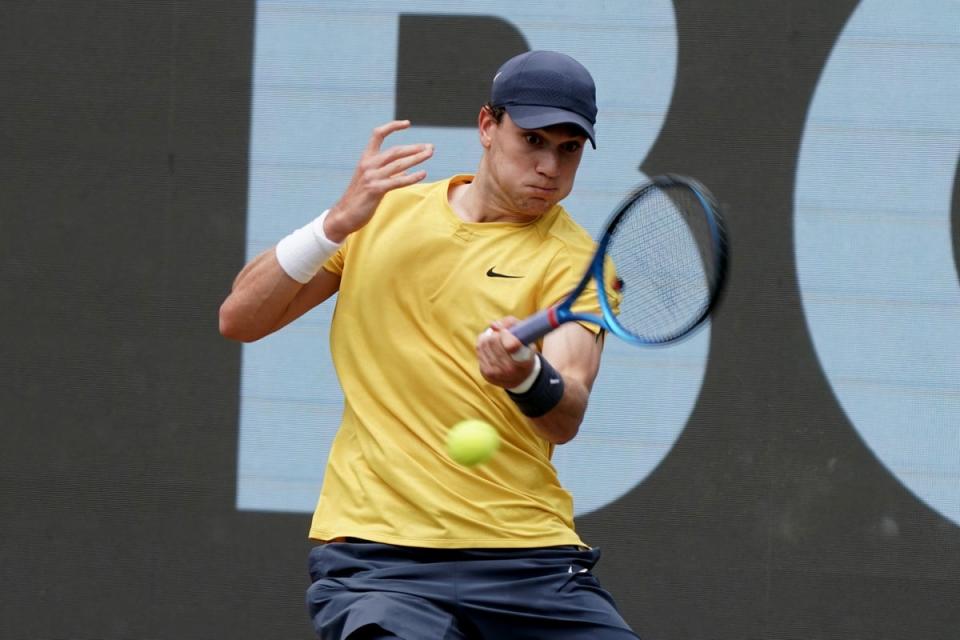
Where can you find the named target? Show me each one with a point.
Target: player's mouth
(543, 190)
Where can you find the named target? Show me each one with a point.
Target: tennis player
(412, 545)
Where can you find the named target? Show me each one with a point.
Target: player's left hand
(504, 360)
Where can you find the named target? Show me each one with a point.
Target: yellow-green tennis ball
(472, 442)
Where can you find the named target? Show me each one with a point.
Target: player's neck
(476, 202)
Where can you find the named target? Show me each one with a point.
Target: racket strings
(662, 250)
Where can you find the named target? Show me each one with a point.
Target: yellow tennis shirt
(418, 285)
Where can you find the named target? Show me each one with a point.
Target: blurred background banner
(793, 471)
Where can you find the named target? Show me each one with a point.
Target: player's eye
(532, 138)
(571, 147)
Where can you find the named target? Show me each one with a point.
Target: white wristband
(303, 252)
(524, 386)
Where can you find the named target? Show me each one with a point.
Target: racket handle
(536, 326)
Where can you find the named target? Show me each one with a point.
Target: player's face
(532, 169)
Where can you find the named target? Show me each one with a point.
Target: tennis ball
(471, 442)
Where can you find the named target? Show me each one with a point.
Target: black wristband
(544, 395)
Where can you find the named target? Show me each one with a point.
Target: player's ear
(486, 124)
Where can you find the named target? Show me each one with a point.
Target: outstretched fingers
(396, 161)
(380, 134)
(378, 172)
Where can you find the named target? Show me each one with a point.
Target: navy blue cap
(544, 88)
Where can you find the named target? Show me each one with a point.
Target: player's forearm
(262, 293)
(562, 423)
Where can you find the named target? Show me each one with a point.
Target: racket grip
(536, 326)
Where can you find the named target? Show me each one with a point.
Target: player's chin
(537, 205)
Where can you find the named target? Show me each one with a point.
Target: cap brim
(537, 117)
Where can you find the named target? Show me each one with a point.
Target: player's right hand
(377, 173)
(504, 360)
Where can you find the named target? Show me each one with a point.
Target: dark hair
(496, 112)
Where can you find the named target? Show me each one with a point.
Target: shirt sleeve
(564, 274)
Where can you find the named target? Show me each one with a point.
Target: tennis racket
(668, 248)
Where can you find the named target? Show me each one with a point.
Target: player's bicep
(575, 352)
(318, 290)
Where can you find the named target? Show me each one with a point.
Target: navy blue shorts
(440, 594)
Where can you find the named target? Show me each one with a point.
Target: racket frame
(546, 320)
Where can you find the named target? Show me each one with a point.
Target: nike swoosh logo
(493, 274)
